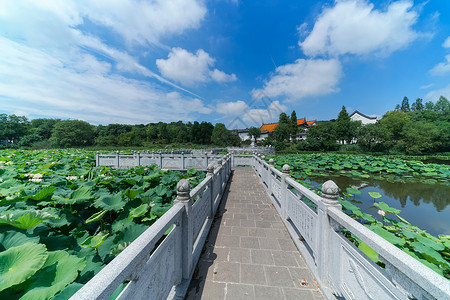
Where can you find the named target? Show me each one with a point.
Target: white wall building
(357, 116)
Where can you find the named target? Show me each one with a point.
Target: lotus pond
(406, 202)
(62, 219)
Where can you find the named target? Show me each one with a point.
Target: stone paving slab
(249, 254)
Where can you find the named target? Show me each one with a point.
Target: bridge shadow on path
(248, 253)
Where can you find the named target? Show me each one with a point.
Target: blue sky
(236, 62)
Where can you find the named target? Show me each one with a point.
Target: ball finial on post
(210, 169)
(286, 169)
(271, 162)
(183, 190)
(330, 192)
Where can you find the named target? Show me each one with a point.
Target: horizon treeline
(18, 132)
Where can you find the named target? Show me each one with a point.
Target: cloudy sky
(231, 61)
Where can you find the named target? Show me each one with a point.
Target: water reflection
(425, 205)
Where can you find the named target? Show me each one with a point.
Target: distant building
(301, 123)
(357, 116)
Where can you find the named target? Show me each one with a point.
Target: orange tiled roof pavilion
(271, 126)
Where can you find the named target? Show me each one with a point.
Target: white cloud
(355, 27)
(304, 78)
(259, 116)
(137, 22)
(435, 94)
(53, 65)
(443, 68)
(78, 85)
(188, 68)
(232, 108)
(446, 43)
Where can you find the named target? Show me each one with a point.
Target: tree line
(18, 131)
(412, 129)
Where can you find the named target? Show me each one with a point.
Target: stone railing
(316, 224)
(172, 160)
(251, 150)
(165, 272)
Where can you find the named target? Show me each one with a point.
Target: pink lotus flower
(381, 212)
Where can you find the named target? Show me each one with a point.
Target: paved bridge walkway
(249, 253)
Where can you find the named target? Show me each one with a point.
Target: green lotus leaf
(430, 243)
(68, 291)
(375, 195)
(160, 190)
(428, 253)
(14, 238)
(353, 191)
(138, 211)
(26, 220)
(94, 241)
(96, 217)
(43, 194)
(386, 208)
(369, 252)
(19, 263)
(59, 270)
(81, 194)
(120, 248)
(110, 202)
(390, 237)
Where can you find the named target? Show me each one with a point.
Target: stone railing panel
(341, 269)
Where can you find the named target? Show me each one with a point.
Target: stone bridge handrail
(397, 259)
(165, 272)
(171, 160)
(340, 267)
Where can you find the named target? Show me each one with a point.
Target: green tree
(420, 137)
(429, 105)
(44, 127)
(343, 127)
(223, 137)
(73, 133)
(322, 137)
(394, 121)
(374, 137)
(294, 127)
(417, 105)
(405, 105)
(254, 132)
(442, 105)
(13, 128)
(282, 131)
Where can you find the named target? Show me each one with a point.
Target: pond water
(426, 206)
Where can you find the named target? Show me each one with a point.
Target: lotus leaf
(19, 263)
(25, 221)
(96, 217)
(14, 238)
(43, 194)
(369, 252)
(386, 208)
(138, 211)
(59, 270)
(375, 195)
(428, 253)
(94, 241)
(110, 202)
(68, 291)
(353, 191)
(390, 237)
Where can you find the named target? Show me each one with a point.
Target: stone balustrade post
(284, 190)
(97, 159)
(210, 173)
(138, 159)
(160, 159)
(183, 196)
(220, 175)
(325, 254)
(183, 163)
(117, 159)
